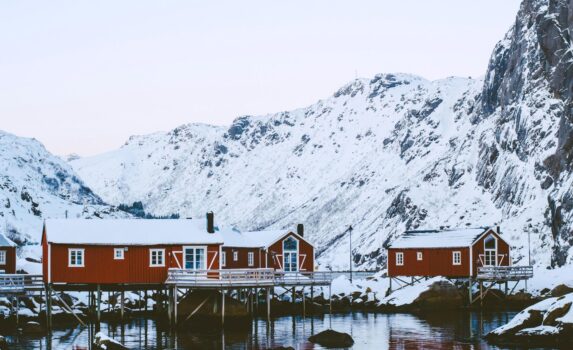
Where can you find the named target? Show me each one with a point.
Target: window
(118, 253)
(419, 256)
(75, 257)
(195, 258)
(290, 254)
(156, 257)
(224, 259)
(251, 259)
(490, 251)
(400, 259)
(2, 257)
(235, 255)
(457, 258)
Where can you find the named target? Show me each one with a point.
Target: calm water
(461, 330)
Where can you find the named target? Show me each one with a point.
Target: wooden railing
(16, 283)
(504, 273)
(250, 277)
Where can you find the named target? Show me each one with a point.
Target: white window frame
(399, 258)
(251, 259)
(223, 258)
(3, 254)
(419, 256)
(457, 254)
(236, 255)
(157, 250)
(195, 247)
(118, 250)
(76, 250)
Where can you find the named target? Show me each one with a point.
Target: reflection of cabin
(133, 251)
(7, 255)
(450, 253)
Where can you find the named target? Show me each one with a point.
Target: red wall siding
(10, 266)
(305, 254)
(243, 258)
(101, 267)
(435, 262)
(502, 249)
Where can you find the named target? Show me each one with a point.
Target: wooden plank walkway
(13, 284)
(504, 273)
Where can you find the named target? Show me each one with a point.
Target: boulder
(332, 339)
(32, 327)
(440, 295)
(552, 315)
(3, 343)
(561, 290)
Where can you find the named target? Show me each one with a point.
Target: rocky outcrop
(103, 342)
(332, 339)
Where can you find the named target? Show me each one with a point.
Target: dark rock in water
(332, 339)
(441, 295)
(3, 343)
(32, 327)
(104, 342)
(283, 348)
(561, 290)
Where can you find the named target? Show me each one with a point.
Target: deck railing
(250, 277)
(505, 273)
(16, 283)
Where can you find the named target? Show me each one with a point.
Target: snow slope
(34, 184)
(385, 154)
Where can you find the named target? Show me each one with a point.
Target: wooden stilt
(170, 305)
(303, 303)
(175, 292)
(98, 302)
(470, 285)
(145, 299)
(481, 293)
(17, 310)
(268, 304)
(122, 304)
(222, 308)
(48, 306)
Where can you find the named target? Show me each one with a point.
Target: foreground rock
(3, 343)
(104, 342)
(332, 339)
(433, 294)
(549, 322)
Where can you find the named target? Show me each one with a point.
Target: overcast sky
(82, 76)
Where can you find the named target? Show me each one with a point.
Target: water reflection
(461, 330)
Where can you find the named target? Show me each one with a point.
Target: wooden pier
(180, 282)
(489, 277)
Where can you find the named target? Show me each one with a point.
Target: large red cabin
(7, 255)
(132, 251)
(450, 253)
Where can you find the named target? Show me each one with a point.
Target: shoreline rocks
(332, 339)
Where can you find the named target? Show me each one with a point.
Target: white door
(195, 258)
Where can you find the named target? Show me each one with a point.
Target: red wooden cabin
(7, 255)
(282, 250)
(125, 251)
(450, 253)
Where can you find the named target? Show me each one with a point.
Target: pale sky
(82, 76)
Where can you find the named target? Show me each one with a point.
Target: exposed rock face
(384, 154)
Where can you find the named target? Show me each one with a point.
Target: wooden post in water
(481, 293)
(470, 284)
(175, 292)
(17, 310)
(303, 303)
(268, 304)
(122, 304)
(222, 308)
(48, 307)
(170, 306)
(98, 302)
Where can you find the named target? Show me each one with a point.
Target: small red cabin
(282, 250)
(450, 253)
(7, 255)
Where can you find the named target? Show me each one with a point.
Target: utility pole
(350, 252)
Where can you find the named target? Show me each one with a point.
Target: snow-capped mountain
(34, 184)
(386, 154)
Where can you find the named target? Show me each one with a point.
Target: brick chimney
(210, 222)
(300, 230)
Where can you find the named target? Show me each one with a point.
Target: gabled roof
(253, 239)
(5, 241)
(450, 238)
(130, 232)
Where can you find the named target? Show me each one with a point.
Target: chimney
(210, 222)
(300, 230)
(499, 230)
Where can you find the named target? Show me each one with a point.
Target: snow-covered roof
(130, 232)
(450, 238)
(5, 241)
(265, 238)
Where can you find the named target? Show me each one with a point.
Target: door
(490, 251)
(290, 255)
(195, 258)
